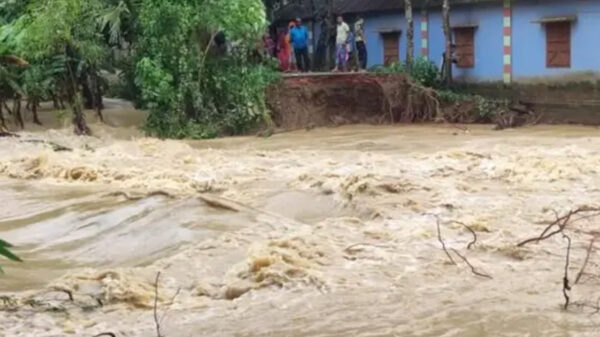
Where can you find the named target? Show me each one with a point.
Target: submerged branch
(439, 234)
(473, 270)
(561, 223)
(566, 285)
(472, 243)
(587, 259)
(156, 321)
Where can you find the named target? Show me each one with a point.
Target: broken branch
(560, 222)
(587, 259)
(472, 243)
(439, 234)
(156, 321)
(566, 285)
(170, 304)
(473, 270)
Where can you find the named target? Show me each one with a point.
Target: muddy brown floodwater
(330, 232)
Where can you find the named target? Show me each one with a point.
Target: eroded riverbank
(323, 233)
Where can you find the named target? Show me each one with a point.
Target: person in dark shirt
(359, 33)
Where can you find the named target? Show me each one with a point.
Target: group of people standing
(291, 48)
(292, 53)
(350, 47)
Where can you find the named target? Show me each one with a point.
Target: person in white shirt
(341, 45)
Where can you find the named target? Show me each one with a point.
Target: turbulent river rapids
(328, 232)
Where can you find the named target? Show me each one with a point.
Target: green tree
(194, 84)
(9, 70)
(52, 28)
(171, 57)
(38, 80)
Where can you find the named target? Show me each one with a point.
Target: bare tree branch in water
(156, 321)
(473, 270)
(170, 303)
(472, 243)
(558, 226)
(62, 290)
(595, 306)
(560, 223)
(566, 285)
(462, 257)
(439, 234)
(587, 259)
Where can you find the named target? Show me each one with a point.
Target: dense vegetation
(425, 74)
(195, 64)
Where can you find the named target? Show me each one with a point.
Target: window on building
(464, 39)
(391, 46)
(558, 44)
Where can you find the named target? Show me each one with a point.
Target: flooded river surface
(328, 232)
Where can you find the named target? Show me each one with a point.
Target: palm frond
(5, 252)
(112, 19)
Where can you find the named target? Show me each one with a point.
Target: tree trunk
(55, 102)
(448, 50)
(75, 99)
(410, 31)
(17, 111)
(2, 121)
(81, 128)
(34, 111)
(87, 91)
(98, 97)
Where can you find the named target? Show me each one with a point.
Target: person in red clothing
(283, 51)
(288, 39)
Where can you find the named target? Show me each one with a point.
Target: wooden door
(465, 47)
(558, 44)
(391, 46)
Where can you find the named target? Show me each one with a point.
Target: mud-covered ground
(330, 232)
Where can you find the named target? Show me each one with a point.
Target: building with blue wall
(506, 40)
(510, 38)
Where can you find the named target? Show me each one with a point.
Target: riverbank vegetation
(455, 106)
(196, 66)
